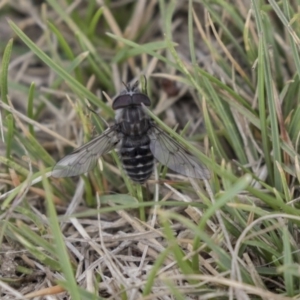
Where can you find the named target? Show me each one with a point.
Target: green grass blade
(4, 71)
(30, 112)
(61, 249)
(262, 24)
(288, 261)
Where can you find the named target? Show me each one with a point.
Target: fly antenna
(135, 85)
(127, 86)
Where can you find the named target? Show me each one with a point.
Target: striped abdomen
(136, 157)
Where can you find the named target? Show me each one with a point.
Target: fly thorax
(133, 120)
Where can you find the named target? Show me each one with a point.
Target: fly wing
(84, 158)
(173, 155)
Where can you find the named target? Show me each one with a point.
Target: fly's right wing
(173, 155)
(84, 158)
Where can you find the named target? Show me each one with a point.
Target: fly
(138, 141)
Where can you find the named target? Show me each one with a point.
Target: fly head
(131, 96)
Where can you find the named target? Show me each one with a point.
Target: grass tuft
(226, 75)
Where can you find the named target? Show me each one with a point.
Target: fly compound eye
(130, 99)
(122, 101)
(138, 99)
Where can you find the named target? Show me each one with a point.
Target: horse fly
(138, 140)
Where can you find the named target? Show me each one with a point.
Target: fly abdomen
(137, 158)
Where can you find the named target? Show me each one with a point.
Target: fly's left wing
(84, 158)
(173, 155)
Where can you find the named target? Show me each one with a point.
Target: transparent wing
(173, 155)
(84, 158)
